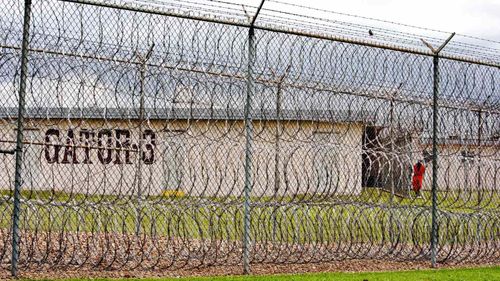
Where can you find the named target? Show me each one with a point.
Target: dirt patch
(65, 255)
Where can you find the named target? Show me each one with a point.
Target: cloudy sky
(479, 18)
(473, 18)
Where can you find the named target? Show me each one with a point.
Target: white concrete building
(198, 151)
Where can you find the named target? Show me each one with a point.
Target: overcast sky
(480, 18)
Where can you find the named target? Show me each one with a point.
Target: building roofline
(190, 113)
(463, 141)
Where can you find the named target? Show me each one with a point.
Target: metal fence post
(142, 72)
(19, 139)
(434, 230)
(392, 155)
(277, 148)
(248, 143)
(435, 96)
(248, 153)
(479, 135)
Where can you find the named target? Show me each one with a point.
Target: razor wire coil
(135, 140)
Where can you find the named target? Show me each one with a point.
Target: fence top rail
(273, 20)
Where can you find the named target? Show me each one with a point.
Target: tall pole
(248, 144)
(140, 145)
(248, 153)
(479, 135)
(277, 148)
(277, 141)
(392, 143)
(434, 230)
(19, 139)
(276, 157)
(435, 107)
(392, 162)
(142, 71)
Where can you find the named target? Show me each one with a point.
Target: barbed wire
(135, 142)
(296, 22)
(446, 33)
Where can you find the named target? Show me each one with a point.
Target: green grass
(295, 222)
(453, 200)
(473, 274)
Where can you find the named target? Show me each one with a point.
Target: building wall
(461, 168)
(201, 158)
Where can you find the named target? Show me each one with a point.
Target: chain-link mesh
(135, 142)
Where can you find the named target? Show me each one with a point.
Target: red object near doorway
(418, 176)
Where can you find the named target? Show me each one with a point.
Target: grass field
(60, 225)
(295, 220)
(449, 200)
(474, 274)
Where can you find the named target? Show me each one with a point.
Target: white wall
(201, 158)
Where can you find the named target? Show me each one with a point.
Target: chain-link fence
(156, 136)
